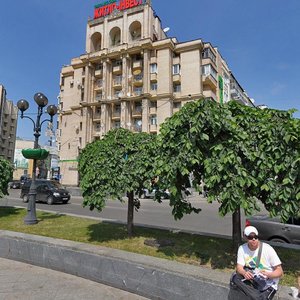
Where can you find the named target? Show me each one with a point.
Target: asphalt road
(151, 213)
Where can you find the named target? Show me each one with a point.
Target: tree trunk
(236, 229)
(130, 214)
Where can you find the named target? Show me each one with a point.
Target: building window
(177, 88)
(138, 125)
(153, 120)
(99, 67)
(99, 83)
(137, 91)
(97, 126)
(207, 53)
(153, 86)
(117, 80)
(117, 63)
(116, 124)
(99, 96)
(209, 70)
(80, 126)
(177, 105)
(153, 68)
(176, 69)
(138, 107)
(153, 53)
(118, 108)
(115, 36)
(153, 104)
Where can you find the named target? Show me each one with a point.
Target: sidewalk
(23, 281)
(151, 277)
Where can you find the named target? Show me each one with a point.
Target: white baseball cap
(250, 229)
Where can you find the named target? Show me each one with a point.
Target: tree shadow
(215, 253)
(43, 216)
(6, 211)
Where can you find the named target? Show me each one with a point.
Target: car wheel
(278, 240)
(50, 200)
(25, 198)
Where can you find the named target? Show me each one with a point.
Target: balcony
(137, 111)
(99, 73)
(138, 80)
(97, 116)
(209, 80)
(210, 94)
(117, 69)
(137, 65)
(116, 115)
(117, 82)
(152, 110)
(176, 78)
(153, 77)
(153, 127)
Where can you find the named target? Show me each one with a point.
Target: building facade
(8, 126)
(132, 76)
(22, 165)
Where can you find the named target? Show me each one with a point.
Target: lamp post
(41, 100)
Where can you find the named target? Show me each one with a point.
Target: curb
(150, 277)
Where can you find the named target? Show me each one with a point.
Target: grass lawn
(214, 253)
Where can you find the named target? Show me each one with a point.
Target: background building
(8, 126)
(22, 165)
(132, 76)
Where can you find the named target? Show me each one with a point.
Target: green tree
(119, 164)
(238, 153)
(6, 172)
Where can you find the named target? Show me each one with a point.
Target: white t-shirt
(268, 260)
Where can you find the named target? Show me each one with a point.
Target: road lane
(151, 213)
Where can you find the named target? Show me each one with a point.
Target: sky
(259, 40)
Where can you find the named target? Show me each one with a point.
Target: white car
(151, 194)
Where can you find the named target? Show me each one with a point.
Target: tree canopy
(241, 154)
(6, 172)
(119, 164)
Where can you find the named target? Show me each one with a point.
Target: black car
(272, 229)
(15, 184)
(49, 191)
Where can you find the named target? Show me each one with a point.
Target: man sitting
(264, 274)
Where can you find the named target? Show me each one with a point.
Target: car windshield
(56, 184)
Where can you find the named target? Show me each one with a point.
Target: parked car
(15, 184)
(272, 229)
(151, 194)
(24, 178)
(49, 191)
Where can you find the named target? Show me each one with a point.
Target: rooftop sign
(107, 7)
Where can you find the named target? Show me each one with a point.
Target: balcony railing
(116, 114)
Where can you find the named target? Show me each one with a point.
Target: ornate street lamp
(35, 153)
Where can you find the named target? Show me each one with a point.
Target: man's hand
(248, 275)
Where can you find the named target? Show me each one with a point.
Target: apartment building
(8, 126)
(132, 76)
(22, 165)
